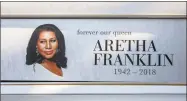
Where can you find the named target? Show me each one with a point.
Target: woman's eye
(53, 40)
(42, 41)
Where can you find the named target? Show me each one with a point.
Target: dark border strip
(95, 1)
(0, 39)
(7, 81)
(94, 16)
(52, 94)
(14, 83)
(111, 84)
(99, 94)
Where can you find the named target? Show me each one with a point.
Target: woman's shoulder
(40, 73)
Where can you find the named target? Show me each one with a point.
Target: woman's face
(47, 44)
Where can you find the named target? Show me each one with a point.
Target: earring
(58, 50)
(37, 53)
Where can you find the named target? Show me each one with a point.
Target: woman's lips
(48, 52)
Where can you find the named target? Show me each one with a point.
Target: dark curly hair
(59, 58)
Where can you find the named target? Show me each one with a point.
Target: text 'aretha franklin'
(130, 52)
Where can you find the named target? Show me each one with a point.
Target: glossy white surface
(91, 8)
(93, 97)
(91, 89)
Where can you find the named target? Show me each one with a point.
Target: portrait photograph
(47, 48)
